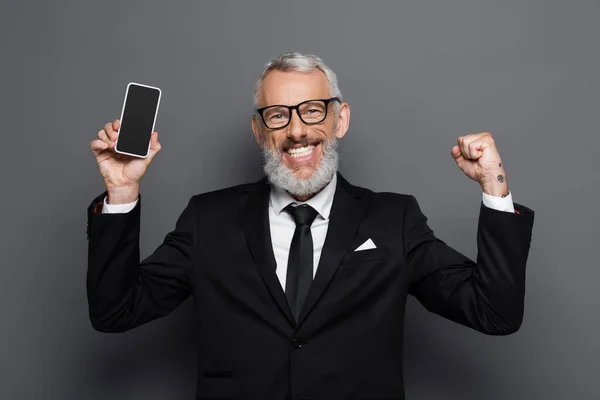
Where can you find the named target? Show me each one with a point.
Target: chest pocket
(361, 256)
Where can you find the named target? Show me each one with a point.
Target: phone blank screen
(138, 120)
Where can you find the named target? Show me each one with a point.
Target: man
(300, 280)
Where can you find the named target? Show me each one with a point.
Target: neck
(305, 197)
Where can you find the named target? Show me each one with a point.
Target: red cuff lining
(98, 207)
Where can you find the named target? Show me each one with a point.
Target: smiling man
(299, 148)
(300, 279)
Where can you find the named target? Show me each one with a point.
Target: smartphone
(137, 119)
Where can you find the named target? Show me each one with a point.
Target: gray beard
(280, 175)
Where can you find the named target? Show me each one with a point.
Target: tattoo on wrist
(500, 178)
(488, 193)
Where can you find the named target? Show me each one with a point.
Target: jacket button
(297, 343)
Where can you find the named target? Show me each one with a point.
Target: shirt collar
(322, 201)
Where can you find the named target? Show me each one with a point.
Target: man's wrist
(496, 184)
(123, 195)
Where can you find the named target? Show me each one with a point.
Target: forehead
(291, 88)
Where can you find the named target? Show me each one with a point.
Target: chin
(304, 172)
(301, 175)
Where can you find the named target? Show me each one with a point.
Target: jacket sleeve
(122, 291)
(486, 295)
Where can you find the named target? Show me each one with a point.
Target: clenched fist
(477, 156)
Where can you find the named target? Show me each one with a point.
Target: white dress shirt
(282, 224)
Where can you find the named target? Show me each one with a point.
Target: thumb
(455, 152)
(458, 157)
(154, 146)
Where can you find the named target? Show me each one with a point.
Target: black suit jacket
(347, 343)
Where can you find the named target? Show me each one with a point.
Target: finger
(102, 135)
(110, 132)
(97, 146)
(476, 148)
(463, 144)
(116, 125)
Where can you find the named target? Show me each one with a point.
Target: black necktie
(300, 261)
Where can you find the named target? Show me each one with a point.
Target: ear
(256, 129)
(343, 121)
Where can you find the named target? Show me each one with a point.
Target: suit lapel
(344, 219)
(254, 207)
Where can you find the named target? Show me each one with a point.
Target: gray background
(417, 74)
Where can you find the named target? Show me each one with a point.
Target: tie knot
(302, 214)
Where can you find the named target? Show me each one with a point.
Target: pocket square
(366, 245)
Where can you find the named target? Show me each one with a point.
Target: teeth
(301, 151)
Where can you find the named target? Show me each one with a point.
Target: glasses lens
(313, 112)
(276, 116)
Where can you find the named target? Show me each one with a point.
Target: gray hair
(298, 62)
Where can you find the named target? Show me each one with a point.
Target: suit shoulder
(384, 197)
(223, 196)
(393, 197)
(391, 203)
(383, 202)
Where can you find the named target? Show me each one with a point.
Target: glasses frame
(261, 110)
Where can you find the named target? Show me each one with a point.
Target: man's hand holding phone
(122, 173)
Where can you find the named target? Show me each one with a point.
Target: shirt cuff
(117, 208)
(499, 203)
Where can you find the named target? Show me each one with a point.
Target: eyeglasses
(311, 112)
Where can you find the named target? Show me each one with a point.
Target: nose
(296, 128)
